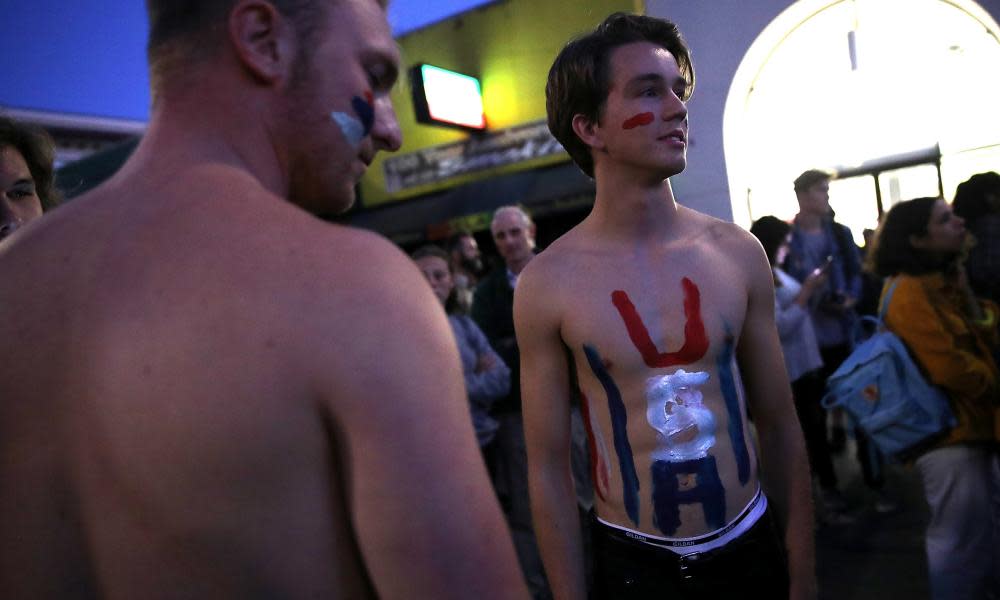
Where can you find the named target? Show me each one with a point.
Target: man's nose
(674, 109)
(386, 132)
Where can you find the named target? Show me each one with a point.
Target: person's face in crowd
(338, 106)
(19, 201)
(468, 255)
(815, 200)
(644, 121)
(945, 231)
(514, 236)
(436, 271)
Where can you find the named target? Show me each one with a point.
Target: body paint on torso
(695, 340)
(731, 388)
(682, 471)
(619, 431)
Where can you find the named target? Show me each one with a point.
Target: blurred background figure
(977, 202)
(27, 181)
(818, 241)
(466, 266)
(803, 360)
(950, 334)
(486, 375)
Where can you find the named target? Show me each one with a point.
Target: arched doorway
(847, 83)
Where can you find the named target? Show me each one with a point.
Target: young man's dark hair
(810, 178)
(579, 79)
(972, 198)
(771, 231)
(38, 151)
(893, 252)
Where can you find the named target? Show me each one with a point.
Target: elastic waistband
(716, 539)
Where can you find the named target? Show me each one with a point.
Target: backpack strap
(886, 299)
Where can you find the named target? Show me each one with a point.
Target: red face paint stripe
(640, 119)
(695, 341)
(599, 470)
(370, 97)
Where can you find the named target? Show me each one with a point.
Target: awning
(542, 190)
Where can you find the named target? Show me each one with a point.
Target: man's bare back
(212, 407)
(207, 392)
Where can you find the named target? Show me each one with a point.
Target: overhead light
(443, 97)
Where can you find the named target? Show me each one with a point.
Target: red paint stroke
(640, 119)
(598, 468)
(695, 341)
(370, 97)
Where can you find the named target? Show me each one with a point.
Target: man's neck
(179, 137)
(809, 222)
(624, 206)
(517, 266)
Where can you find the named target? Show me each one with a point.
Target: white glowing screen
(453, 97)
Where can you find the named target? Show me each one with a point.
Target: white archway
(833, 83)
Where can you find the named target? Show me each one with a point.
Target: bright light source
(444, 97)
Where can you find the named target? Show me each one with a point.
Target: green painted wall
(509, 46)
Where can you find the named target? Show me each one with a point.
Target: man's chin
(327, 206)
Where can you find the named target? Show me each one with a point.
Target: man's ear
(263, 39)
(587, 131)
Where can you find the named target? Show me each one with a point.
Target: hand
(813, 282)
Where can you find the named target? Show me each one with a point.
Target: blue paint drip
(619, 420)
(365, 112)
(727, 382)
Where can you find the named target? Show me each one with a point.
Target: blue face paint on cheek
(365, 109)
(356, 127)
(353, 129)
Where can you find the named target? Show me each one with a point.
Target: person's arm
(934, 346)
(784, 466)
(788, 318)
(545, 400)
(493, 380)
(425, 518)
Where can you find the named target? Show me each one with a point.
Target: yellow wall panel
(509, 46)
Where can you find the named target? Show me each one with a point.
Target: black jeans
(753, 565)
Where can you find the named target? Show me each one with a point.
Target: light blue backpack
(885, 393)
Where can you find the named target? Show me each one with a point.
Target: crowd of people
(205, 391)
(924, 260)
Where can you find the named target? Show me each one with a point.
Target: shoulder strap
(886, 299)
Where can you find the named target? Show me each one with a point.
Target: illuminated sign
(476, 154)
(443, 97)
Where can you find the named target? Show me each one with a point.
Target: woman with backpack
(950, 333)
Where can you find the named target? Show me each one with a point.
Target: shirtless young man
(666, 317)
(207, 392)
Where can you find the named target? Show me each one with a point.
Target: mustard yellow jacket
(953, 350)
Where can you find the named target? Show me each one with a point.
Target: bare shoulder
(736, 243)
(360, 285)
(539, 283)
